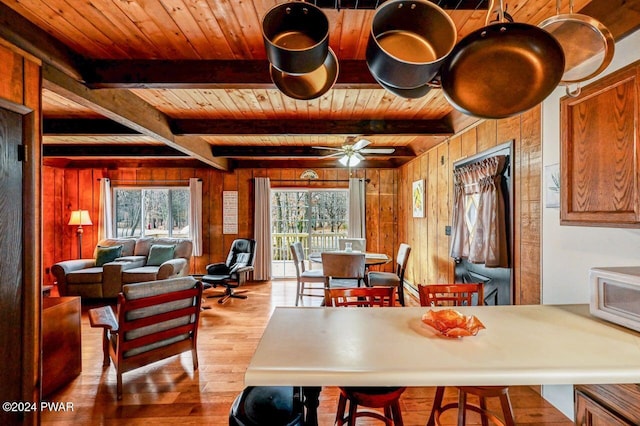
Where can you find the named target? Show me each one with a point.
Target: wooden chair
(451, 294)
(360, 296)
(387, 398)
(395, 279)
(343, 269)
(304, 276)
(153, 320)
(459, 295)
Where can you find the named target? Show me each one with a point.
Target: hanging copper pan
(587, 44)
(309, 85)
(408, 41)
(296, 37)
(502, 69)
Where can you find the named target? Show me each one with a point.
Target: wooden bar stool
(482, 392)
(386, 398)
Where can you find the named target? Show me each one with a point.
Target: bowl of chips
(451, 323)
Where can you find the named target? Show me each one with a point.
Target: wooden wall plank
(69, 187)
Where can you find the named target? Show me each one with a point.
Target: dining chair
(343, 269)
(387, 398)
(306, 278)
(360, 296)
(357, 244)
(395, 279)
(465, 295)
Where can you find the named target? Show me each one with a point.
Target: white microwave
(615, 295)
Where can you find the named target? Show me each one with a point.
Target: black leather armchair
(233, 272)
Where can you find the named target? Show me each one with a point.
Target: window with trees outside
(156, 212)
(317, 218)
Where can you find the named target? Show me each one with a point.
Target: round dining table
(370, 259)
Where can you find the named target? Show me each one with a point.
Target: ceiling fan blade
(335, 154)
(378, 151)
(358, 156)
(360, 144)
(327, 148)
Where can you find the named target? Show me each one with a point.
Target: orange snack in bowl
(452, 323)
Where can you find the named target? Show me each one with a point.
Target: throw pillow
(107, 254)
(160, 253)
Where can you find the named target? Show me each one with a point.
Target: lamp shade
(80, 217)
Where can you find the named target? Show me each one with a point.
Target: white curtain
(195, 215)
(262, 229)
(105, 216)
(357, 220)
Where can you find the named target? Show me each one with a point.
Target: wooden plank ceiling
(188, 79)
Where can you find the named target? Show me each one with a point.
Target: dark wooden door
(11, 282)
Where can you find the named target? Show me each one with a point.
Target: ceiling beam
(207, 127)
(310, 127)
(205, 74)
(621, 17)
(289, 151)
(130, 111)
(111, 151)
(390, 163)
(85, 126)
(32, 39)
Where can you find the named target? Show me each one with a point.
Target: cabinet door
(591, 413)
(599, 159)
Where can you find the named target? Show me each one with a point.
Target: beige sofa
(121, 261)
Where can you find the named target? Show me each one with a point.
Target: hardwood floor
(169, 392)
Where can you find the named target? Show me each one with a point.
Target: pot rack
(373, 4)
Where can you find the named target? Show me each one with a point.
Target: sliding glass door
(316, 218)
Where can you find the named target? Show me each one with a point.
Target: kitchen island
(521, 345)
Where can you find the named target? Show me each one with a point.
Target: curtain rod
(151, 181)
(315, 180)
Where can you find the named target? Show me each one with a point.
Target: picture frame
(552, 186)
(417, 197)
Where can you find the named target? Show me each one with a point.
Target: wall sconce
(80, 218)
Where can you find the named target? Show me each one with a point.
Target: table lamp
(80, 218)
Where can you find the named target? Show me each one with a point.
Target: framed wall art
(552, 186)
(417, 195)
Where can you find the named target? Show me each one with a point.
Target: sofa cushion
(107, 254)
(184, 246)
(160, 253)
(127, 244)
(143, 245)
(138, 275)
(85, 276)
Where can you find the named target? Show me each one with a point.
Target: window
(317, 218)
(157, 212)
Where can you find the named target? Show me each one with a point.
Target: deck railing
(311, 243)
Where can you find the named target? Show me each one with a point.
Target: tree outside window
(158, 212)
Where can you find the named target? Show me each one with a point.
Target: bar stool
(370, 397)
(482, 392)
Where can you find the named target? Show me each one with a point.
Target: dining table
(520, 345)
(370, 258)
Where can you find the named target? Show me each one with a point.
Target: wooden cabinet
(599, 183)
(607, 405)
(61, 349)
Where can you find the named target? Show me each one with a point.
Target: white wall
(569, 251)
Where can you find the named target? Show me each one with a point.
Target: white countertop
(521, 345)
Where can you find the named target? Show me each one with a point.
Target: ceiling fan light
(349, 161)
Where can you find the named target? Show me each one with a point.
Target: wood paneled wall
(430, 261)
(72, 189)
(20, 295)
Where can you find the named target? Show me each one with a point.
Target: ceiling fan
(351, 152)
